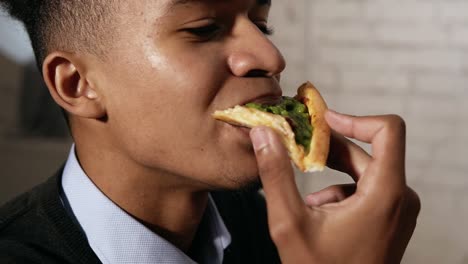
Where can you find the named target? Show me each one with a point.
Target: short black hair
(64, 25)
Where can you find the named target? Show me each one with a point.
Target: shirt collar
(116, 237)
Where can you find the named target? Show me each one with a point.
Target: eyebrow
(183, 2)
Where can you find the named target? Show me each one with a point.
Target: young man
(153, 178)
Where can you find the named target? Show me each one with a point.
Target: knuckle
(266, 165)
(271, 160)
(401, 202)
(283, 232)
(396, 122)
(273, 168)
(337, 191)
(396, 199)
(267, 161)
(391, 204)
(414, 202)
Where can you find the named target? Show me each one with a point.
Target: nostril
(257, 73)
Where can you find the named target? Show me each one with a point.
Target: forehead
(177, 11)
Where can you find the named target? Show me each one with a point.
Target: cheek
(161, 118)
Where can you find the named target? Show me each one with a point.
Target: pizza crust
(316, 159)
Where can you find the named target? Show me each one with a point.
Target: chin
(252, 184)
(248, 183)
(240, 179)
(233, 167)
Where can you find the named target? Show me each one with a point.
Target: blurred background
(408, 57)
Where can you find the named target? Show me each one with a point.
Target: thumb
(276, 174)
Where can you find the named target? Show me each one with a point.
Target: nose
(253, 54)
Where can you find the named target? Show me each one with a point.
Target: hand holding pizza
(370, 221)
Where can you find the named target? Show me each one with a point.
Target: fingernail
(259, 137)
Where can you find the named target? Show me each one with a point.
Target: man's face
(172, 64)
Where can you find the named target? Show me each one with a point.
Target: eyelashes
(205, 32)
(266, 30)
(213, 30)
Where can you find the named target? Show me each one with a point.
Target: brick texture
(408, 57)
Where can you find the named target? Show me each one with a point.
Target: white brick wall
(293, 50)
(453, 11)
(436, 85)
(457, 35)
(408, 57)
(398, 11)
(332, 10)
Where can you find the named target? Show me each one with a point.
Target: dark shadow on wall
(34, 138)
(39, 115)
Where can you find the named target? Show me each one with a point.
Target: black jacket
(35, 228)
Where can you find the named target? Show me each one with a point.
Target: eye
(205, 32)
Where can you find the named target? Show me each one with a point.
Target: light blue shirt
(117, 237)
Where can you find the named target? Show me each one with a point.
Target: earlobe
(66, 79)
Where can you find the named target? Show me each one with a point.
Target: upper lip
(265, 99)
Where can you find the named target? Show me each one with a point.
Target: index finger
(387, 136)
(346, 156)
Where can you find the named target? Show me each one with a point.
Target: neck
(171, 210)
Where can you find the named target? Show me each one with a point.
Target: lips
(269, 99)
(260, 93)
(266, 100)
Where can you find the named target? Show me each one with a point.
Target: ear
(66, 79)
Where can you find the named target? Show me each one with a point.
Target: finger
(387, 136)
(348, 157)
(276, 173)
(331, 194)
